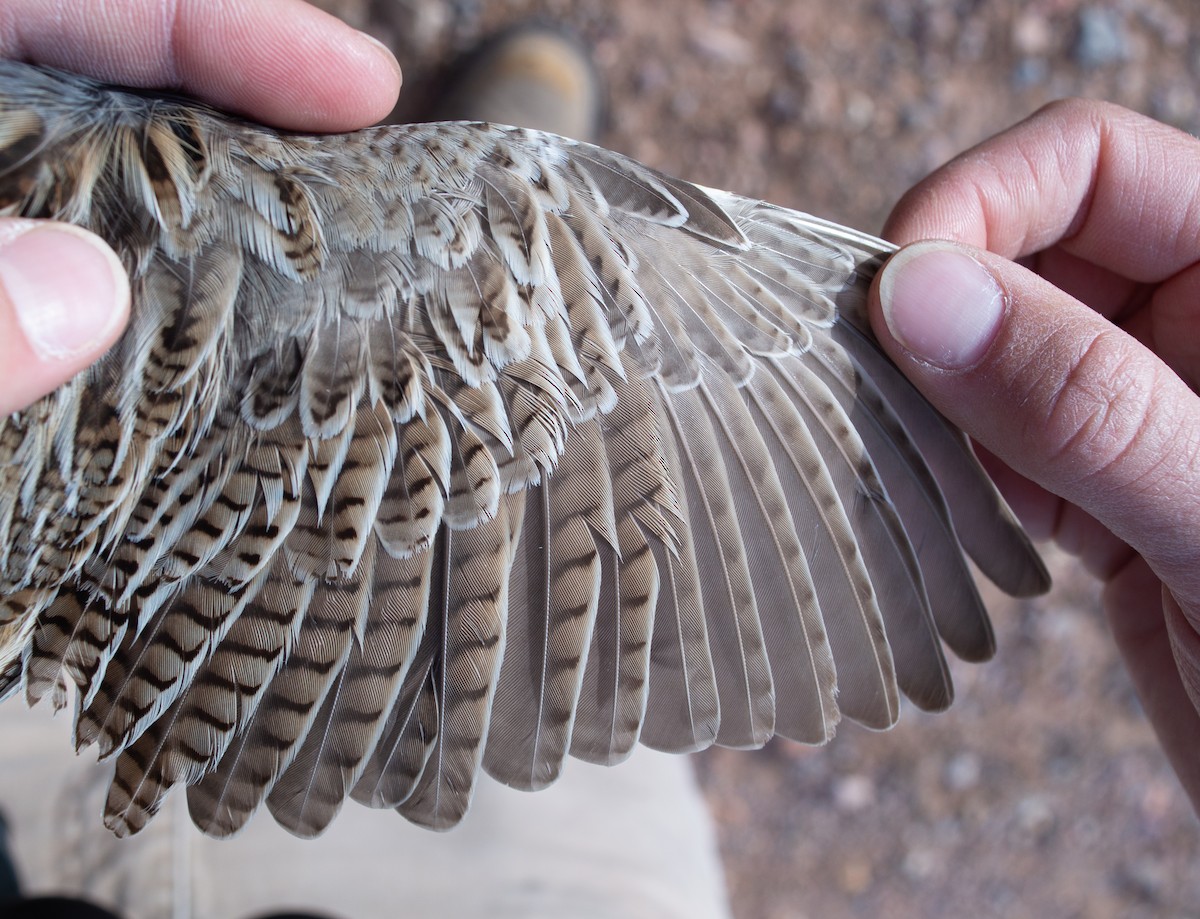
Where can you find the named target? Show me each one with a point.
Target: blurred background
(1043, 791)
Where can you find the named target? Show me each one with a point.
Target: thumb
(64, 299)
(1053, 389)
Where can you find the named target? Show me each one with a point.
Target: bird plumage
(441, 448)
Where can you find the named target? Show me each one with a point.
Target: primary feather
(451, 447)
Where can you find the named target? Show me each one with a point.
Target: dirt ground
(1043, 792)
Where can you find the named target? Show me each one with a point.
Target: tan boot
(533, 76)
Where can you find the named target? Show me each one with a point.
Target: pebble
(920, 863)
(684, 104)
(1035, 817)
(720, 45)
(1031, 33)
(1145, 879)
(854, 793)
(651, 76)
(784, 104)
(1175, 104)
(860, 110)
(1029, 72)
(854, 875)
(1102, 38)
(962, 772)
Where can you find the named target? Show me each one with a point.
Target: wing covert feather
(440, 448)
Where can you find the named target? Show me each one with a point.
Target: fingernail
(68, 289)
(941, 304)
(382, 50)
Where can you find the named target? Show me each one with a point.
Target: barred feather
(447, 448)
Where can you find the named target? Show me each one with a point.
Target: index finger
(1112, 187)
(279, 61)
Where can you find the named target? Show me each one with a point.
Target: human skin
(282, 62)
(1076, 369)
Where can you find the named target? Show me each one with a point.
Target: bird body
(444, 448)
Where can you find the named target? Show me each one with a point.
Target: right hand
(1081, 374)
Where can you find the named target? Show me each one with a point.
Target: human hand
(64, 296)
(1077, 368)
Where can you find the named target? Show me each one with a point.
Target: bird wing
(447, 448)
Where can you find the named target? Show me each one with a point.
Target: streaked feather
(442, 448)
(810, 436)
(568, 528)
(272, 736)
(739, 658)
(469, 606)
(334, 753)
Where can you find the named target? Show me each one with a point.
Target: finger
(64, 299)
(1120, 190)
(1055, 391)
(1168, 326)
(1108, 293)
(1183, 628)
(1047, 516)
(1143, 618)
(279, 61)
(1038, 510)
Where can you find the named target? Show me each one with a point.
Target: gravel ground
(1043, 792)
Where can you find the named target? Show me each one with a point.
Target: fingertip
(64, 299)
(1053, 389)
(300, 68)
(370, 80)
(282, 62)
(379, 55)
(940, 304)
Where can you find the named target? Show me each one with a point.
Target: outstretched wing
(449, 447)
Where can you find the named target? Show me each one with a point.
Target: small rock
(853, 793)
(920, 863)
(916, 117)
(1030, 72)
(824, 99)
(1158, 801)
(1102, 38)
(962, 772)
(752, 140)
(684, 104)
(795, 60)
(1174, 104)
(720, 45)
(973, 40)
(1035, 817)
(1145, 879)
(1062, 757)
(1086, 833)
(1171, 27)
(1031, 34)
(860, 110)
(784, 104)
(854, 875)
(651, 76)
